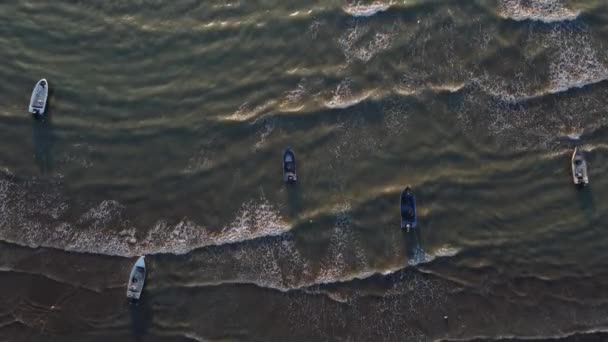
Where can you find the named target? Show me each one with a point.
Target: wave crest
(106, 229)
(547, 11)
(366, 10)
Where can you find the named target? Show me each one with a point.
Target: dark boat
(408, 209)
(579, 168)
(289, 166)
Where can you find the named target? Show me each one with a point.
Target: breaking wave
(547, 11)
(105, 228)
(576, 63)
(586, 335)
(344, 96)
(365, 10)
(421, 257)
(357, 43)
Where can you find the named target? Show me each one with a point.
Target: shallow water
(166, 125)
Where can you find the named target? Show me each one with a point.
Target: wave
(356, 46)
(547, 11)
(50, 277)
(340, 102)
(421, 257)
(105, 229)
(263, 265)
(594, 334)
(575, 135)
(573, 63)
(361, 10)
(497, 89)
(255, 219)
(274, 285)
(576, 63)
(436, 88)
(324, 286)
(247, 112)
(592, 147)
(344, 96)
(516, 108)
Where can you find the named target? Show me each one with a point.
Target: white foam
(105, 229)
(350, 37)
(277, 263)
(264, 132)
(338, 244)
(396, 116)
(452, 88)
(102, 215)
(573, 61)
(576, 63)
(255, 219)
(6, 171)
(547, 11)
(508, 90)
(365, 10)
(340, 103)
(293, 100)
(354, 47)
(344, 260)
(247, 112)
(421, 257)
(297, 94)
(343, 96)
(575, 135)
(591, 147)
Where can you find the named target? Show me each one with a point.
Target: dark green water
(164, 135)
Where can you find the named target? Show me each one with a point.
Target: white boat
(579, 168)
(136, 280)
(39, 97)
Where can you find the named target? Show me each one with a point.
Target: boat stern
(290, 177)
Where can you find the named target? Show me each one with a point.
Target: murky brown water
(167, 121)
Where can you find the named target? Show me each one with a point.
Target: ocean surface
(164, 136)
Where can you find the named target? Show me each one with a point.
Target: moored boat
(408, 209)
(579, 168)
(137, 279)
(39, 97)
(289, 166)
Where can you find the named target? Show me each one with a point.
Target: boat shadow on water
(584, 192)
(413, 247)
(294, 200)
(585, 200)
(44, 139)
(141, 318)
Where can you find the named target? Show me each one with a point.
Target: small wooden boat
(579, 168)
(289, 166)
(136, 280)
(39, 97)
(408, 209)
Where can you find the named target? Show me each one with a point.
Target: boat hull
(289, 166)
(409, 218)
(580, 176)
(136, 280)
(39, 98)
